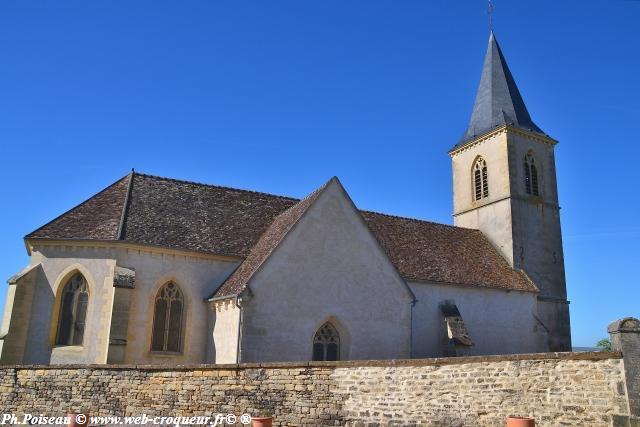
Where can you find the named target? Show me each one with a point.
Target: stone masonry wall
(580, 389)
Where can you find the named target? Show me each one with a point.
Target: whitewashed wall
(499, 322)
(329, 267)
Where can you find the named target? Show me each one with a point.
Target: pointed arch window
(531, 175)
(326, 343)
(480, 179)
(73, 311)
(167, 319)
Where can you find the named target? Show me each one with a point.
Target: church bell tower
(504, 183)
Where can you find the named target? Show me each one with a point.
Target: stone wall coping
(440, 361)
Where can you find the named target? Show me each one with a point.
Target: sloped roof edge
(267, 243)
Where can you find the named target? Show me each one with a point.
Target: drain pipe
(238, 301)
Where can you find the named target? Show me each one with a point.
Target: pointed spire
(498, 100)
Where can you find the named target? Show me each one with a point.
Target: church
(153, 270)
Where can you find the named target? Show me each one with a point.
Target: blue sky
(279, 96)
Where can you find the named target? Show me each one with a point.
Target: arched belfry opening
(326, 343)
(480, 179)
(531, 176)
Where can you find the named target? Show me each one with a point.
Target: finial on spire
(490, 13)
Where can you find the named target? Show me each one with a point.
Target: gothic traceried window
(73, 311)
(326, 343)
(480, 179)
(531, 175)
(167, 319)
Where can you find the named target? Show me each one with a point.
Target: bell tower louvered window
(167, 319)
(73, 311)
(326, 343)
(480, 179)
(531, 175)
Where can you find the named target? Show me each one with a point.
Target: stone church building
(154, 270)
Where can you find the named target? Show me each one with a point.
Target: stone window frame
(58, 290)
(326, 335)
(532, 175)
(479, 179)
(181, 323)
(77, 289)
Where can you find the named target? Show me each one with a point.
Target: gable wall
(499, 322)
(329, 266)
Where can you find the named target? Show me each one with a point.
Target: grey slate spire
(498, 100)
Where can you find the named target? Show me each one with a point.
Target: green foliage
(604, 344)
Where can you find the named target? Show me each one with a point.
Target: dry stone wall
(579, 389)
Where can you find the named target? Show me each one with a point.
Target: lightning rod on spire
(490, 13)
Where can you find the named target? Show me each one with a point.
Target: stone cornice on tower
(545, 139)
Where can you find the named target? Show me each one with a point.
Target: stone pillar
(625, 337)
(124, 283)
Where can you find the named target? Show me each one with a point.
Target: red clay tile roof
(203, 218)
(246, 224)
(96, 218)
(423, 250)
(280, 226)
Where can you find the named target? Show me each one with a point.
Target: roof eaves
(213, 298)
(506, 263)
(524, 274)
(466, 142)
(232, 257)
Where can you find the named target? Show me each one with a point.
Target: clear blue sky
(278, 96)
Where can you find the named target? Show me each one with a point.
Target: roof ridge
(295, 199)
(222, 187)
(125, 206)
(407, 218)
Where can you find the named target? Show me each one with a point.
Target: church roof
(156, 211)
(428, 251)
(265, 245)
(498, 100)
